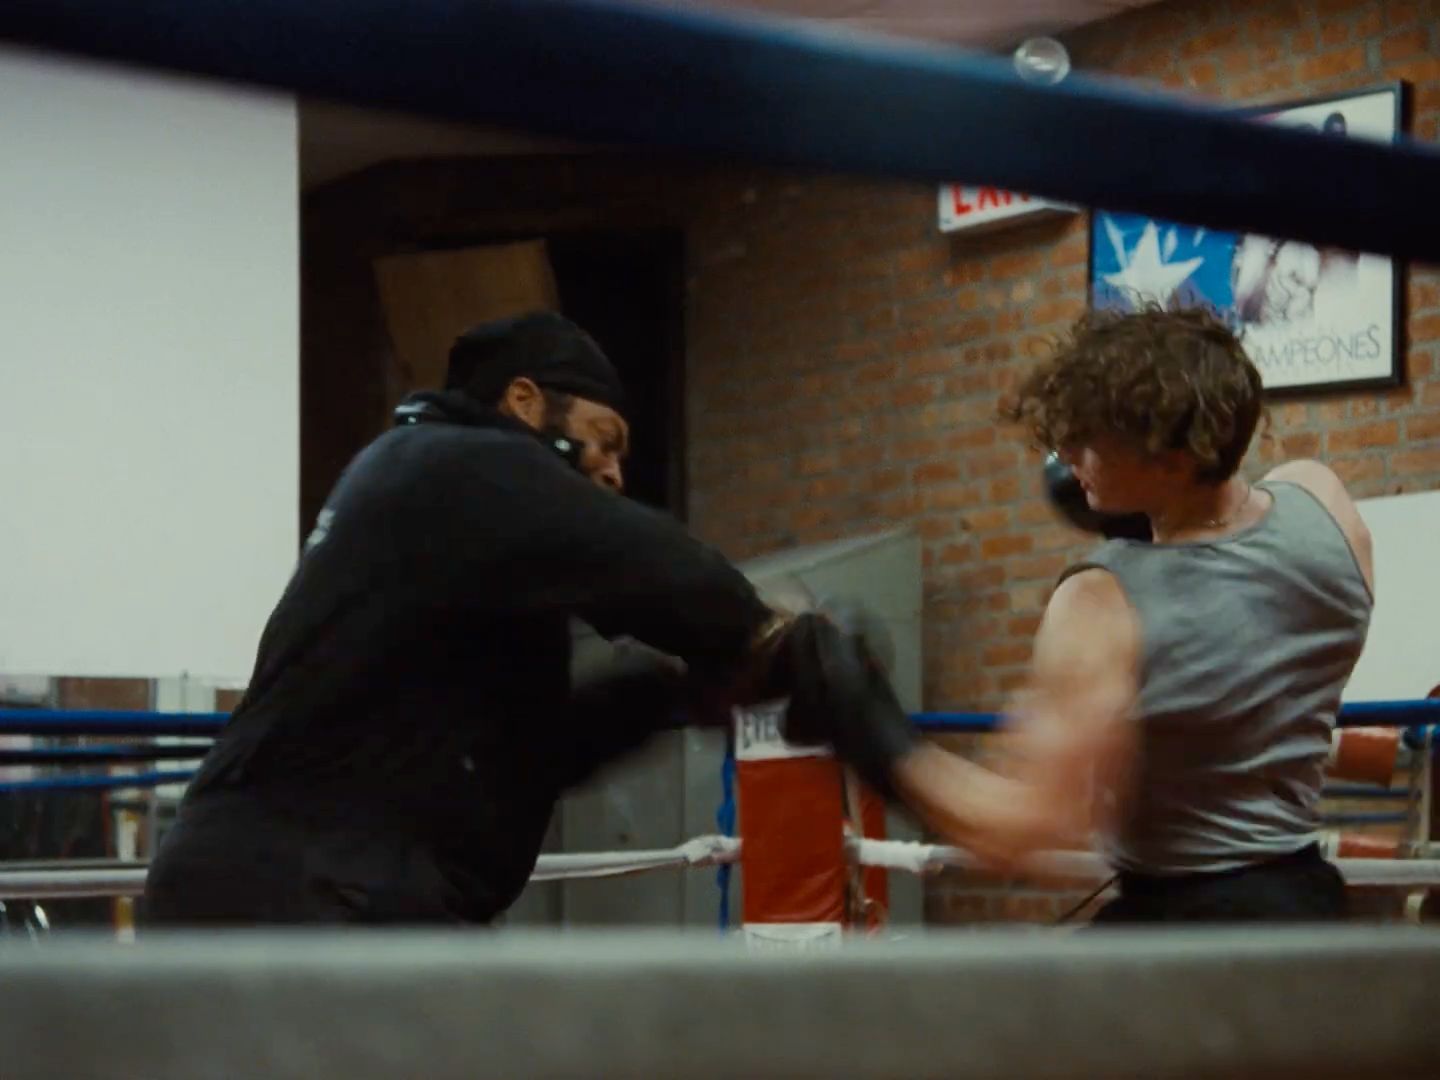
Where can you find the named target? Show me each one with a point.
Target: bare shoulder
(1311, 474)
(1092, 590)
(1087, 652)
(1089, 611)
(1317, 478)
(1321, 481)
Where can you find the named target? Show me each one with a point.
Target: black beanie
(542, 346)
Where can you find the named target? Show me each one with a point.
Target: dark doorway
(625, 286)
(627, 289)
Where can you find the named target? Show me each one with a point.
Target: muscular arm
(631, 571)
(495, 525)
(1071, 730)
(517, 531)
(1074, 727)
(1329, 490)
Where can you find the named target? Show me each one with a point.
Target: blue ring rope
(1417, 715)
(1362, 818)
(98, 782)
(778, 92)
(111, 722)
(725, 822)
(72, 722)
(1425, 711)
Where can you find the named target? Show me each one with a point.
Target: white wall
(1401, 660)
(149, 370)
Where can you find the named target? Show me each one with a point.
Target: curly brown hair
(1156, 379)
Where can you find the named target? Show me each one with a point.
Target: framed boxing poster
(1311, 318)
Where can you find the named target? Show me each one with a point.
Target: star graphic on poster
(1144, 272)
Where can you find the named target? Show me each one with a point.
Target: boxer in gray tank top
(1246, 642)
(1183, 688)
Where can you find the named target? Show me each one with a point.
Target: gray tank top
(1248, 641)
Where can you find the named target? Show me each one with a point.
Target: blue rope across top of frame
(778, 92)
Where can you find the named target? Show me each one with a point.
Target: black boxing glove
(1068, 499)
(853, 617)
(839, 694)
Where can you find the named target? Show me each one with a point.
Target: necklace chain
(1220, 523)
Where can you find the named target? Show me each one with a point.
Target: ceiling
(337, 140)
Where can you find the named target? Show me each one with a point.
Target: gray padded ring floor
(1317, 1004)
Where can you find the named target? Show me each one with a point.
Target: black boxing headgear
(1067, 496)
(544, 347)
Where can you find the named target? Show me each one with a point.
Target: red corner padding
(792, 835)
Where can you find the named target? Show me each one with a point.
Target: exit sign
(966, 207)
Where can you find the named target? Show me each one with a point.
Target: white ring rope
(702, 851)
(699, 852)
(930, 858)
(715, 850)
(916, 858)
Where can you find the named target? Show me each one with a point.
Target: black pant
(1303, 887)
(230, 861)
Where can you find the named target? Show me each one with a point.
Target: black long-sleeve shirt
(414, 680)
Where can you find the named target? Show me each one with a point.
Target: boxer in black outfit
(411, 719)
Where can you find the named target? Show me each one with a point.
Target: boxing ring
(867, 1001)
(1354, 1001)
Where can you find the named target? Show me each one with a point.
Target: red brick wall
(845, 364)
(846, 357)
